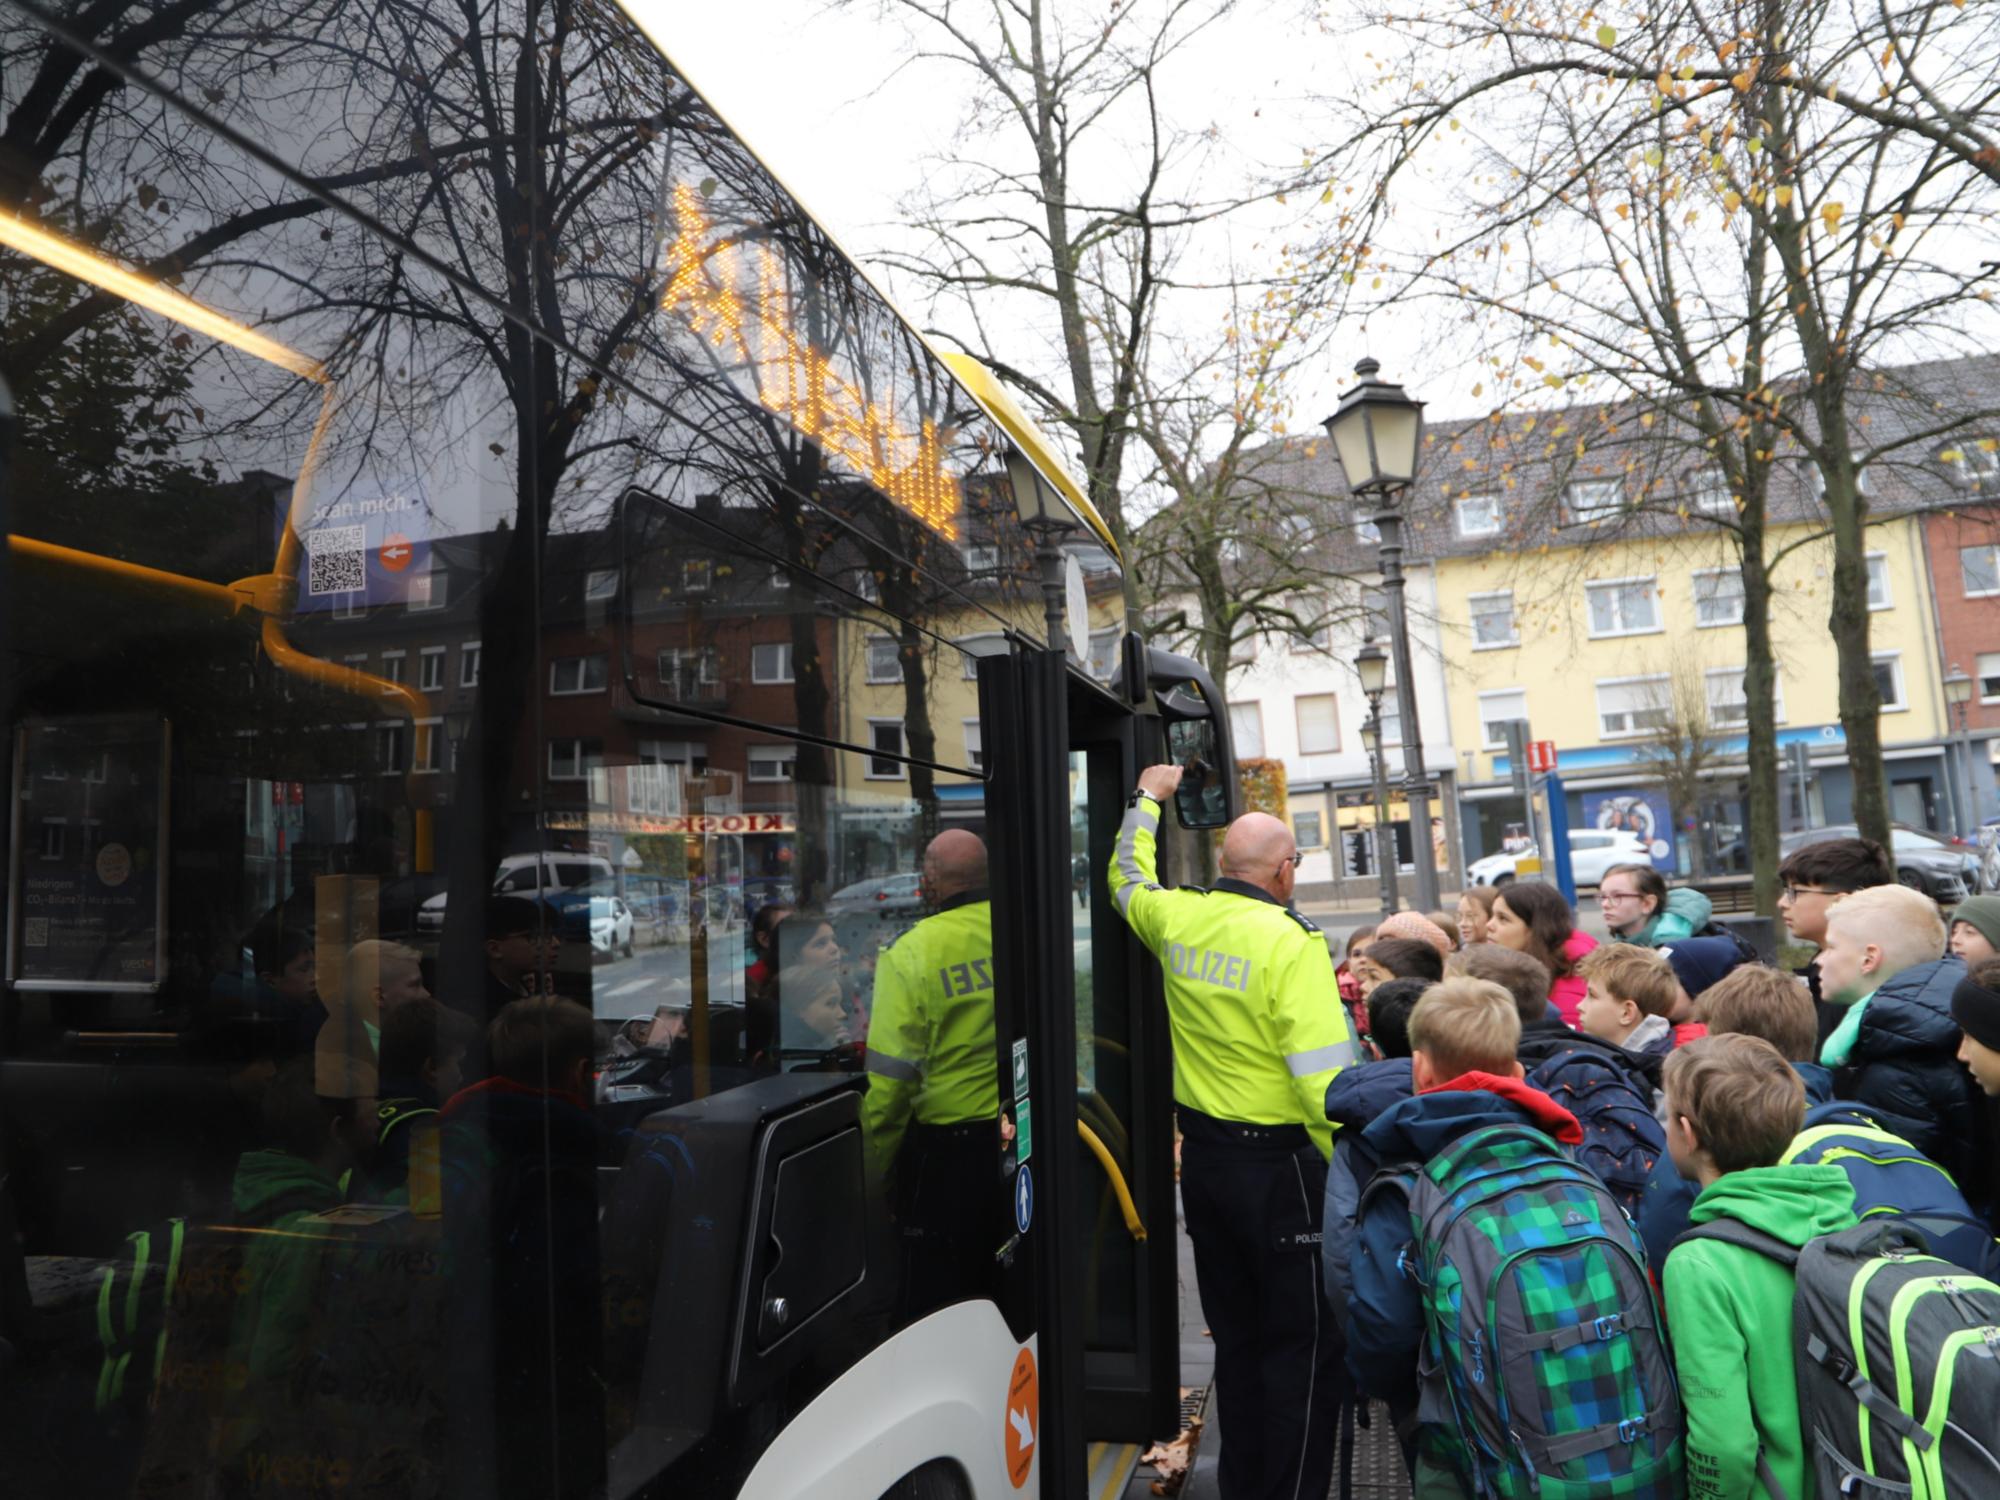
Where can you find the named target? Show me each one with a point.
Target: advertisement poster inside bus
(88, 837)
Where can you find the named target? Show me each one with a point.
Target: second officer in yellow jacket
(1258, 1033)
(931, 1119)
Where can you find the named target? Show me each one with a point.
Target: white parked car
(1592, 851)
(517, 876)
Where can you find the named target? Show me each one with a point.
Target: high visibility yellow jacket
(1252, 1002)
(931, 1036)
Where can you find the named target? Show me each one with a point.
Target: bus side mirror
(1202, 800)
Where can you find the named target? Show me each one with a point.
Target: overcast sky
(828, 97)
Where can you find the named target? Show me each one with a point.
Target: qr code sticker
(337, 555)
(35, 932)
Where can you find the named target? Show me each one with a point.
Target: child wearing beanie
(1975, 929)
(1975, 1005)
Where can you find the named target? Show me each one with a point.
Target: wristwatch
(1137, 793)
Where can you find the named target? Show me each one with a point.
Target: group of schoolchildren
(389, 1099)
(1566, 1260)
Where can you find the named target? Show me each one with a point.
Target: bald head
(1258, 849)
(954, 863)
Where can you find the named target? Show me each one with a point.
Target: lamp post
(1047, 521)
(1378, 434)
(1385, 844)
(1958, 697)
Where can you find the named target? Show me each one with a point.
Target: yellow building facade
(1608, 646)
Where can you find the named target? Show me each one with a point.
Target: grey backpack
(1911, 1408)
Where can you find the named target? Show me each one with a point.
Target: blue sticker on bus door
(1024, 1200)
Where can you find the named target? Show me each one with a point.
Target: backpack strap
(390, 1114)
(1886, 1411)
(1736, 1232)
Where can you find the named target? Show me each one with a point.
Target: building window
(981, 557)
(1981, 567)
(1392, 720)
(355, 663)
(395, 665)
(1246, 730)
(574, 760)
(430, 669)
(1729, 703)
(771, 662)
(54, 837)
(1878, 581)
(1623, 606)
(885, 738)
(1496, 710)
(1374, 615)
(987, 643)
(885, 662)
(1477, 515)
(430, 734)
(1312, 632)
(867, 585)
(351, 606)
(1104, 654)
(1306, 831)
(600, 583)
(468, 664)
(1710, 494)
(696, 573)
(1593, 499)
(1493, 620)
(426, 590)
(1718, 597)
(772, 762)
(1889, 680)
(1243, 650)
(686, 670)
(1988, 669)
(780, 580)
(1633, 706)
(1976, 460)
(975, 754)
(389, 748)
(1365, 530)
(569, 675)
(1319, 723)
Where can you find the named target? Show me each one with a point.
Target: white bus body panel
(938, 1389)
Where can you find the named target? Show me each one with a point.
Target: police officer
(931, 1118)
(1258, 1033)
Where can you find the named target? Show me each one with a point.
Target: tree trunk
(1847, 619)
(1760, 677)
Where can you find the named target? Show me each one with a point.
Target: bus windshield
(494, 604)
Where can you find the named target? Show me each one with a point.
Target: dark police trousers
(1252, 1197)
(948, 1199)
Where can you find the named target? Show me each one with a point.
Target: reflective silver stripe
(1146, 815)
(894, 1067)
(1305, 1064)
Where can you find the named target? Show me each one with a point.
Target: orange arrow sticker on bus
(396, 552)
(1023, 1412)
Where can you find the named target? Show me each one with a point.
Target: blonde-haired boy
(1464, 1034)
(1895, 1051)
(1630, 996)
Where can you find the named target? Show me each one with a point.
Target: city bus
(471, 534)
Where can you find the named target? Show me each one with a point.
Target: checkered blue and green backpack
(1545, 1371)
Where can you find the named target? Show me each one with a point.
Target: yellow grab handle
(1133, 1224)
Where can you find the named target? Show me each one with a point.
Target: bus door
(1091, 1078)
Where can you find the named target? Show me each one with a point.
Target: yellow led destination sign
(740, 303)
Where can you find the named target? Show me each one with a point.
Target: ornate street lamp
(1378, 434)
(1385, 843)
(1047, 521)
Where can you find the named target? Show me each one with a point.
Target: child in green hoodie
(1733, 1106)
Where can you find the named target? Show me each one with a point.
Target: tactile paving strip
(1375, 1469)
